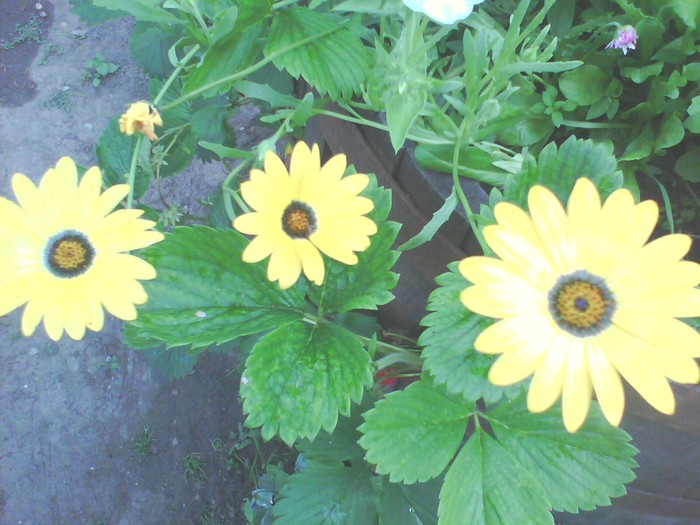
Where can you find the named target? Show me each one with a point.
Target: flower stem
(174, 74)
(132, 171)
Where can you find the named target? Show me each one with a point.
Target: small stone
(79, 33)
(174, 442)
(38, 6)
(108, 359)
(42, 14)
(63, 24)
(65, 88)
(88, 125)
(33, 350)
(175, 392)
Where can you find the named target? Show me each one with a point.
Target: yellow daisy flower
(140, 116)
(62, 252)
(584, 300)
(302, 212)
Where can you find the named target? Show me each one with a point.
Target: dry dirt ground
(72, 412)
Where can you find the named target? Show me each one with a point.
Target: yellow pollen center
(68, 254)
(298, 223)
(581, 304)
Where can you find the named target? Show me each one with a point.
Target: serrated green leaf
(90, 13)
(411, 435)
(205, 294)
(299, 377)
(559, 168)
(366, 284)
(149, 47)
(230, 55)
(487, 486)
(114, 151)
(335, 63)
(341, 444)
(577, 471)
(167, 364)
(328, 494)
(415, 504)
(448, 342)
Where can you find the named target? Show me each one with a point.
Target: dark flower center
(299, 220)
(581, 304)
(69, 254)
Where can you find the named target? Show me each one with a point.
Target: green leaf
(366, 284)
(687, 165)
(114, 151)
(578, 471)
(584, 85)
(205, 294)
(402, 110)
(412, 435)
(149, 47)
(143, 10)
(671, 133)
(336, 62)
(641, 146)
(328, 494)
(474, 163)
(440, 217)
(230, 55)
(225, 152)
(167, 364)
(688, 11)
(299, 377)
(93, 15)
(560, 168)
(487, 486)
(415, 504)
(640, 74)
(209, 124)
(449, 338)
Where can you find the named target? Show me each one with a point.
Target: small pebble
(174, 442)
(42, 14)
(33, 350)
(63, 24)
(38, 6)
(88, 125)
(108, 359)
(175, 392)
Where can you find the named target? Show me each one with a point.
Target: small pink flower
(626, 39)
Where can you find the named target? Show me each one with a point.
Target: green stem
(132, 170)
(593, 125)
(283, 3)
(377, 125)
(174, 74)
(250, 70)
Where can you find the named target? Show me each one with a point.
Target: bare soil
(71, 411)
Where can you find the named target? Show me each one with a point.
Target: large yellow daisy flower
(61, 252)
(303, 212)
(583, 300)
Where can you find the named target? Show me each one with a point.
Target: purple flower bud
(626, 39)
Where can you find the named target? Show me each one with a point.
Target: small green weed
(194, 468)
(98, 69)
(211, 517)
(144, 443)
(60, 100)
(49, 51)
(29, 32)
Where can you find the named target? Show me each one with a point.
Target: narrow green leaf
(412, 435)
(440, 217)
(299, 377)
(487, 486)
(225, 152)
(205, 294)
(578, 471)
(448, 342)
(336, 63)
(402, 110)
(328, 494)
(474, 163)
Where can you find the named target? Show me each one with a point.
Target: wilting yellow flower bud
(141, 116)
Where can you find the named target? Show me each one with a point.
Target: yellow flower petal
(516, 365)
(606, 382)
(548, 380)
(512, 333)
(549, 220)
(311, 261)
(577, 388)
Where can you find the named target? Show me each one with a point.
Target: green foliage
(90, 13)
(143, 10)
(205, 294)
(559, 168)
(527, 466)
(448, 342)
(166, 363)
(299, 377)
(412, 435)
(114, 150)
(98, 69)
(335, 62)
(149, 46)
